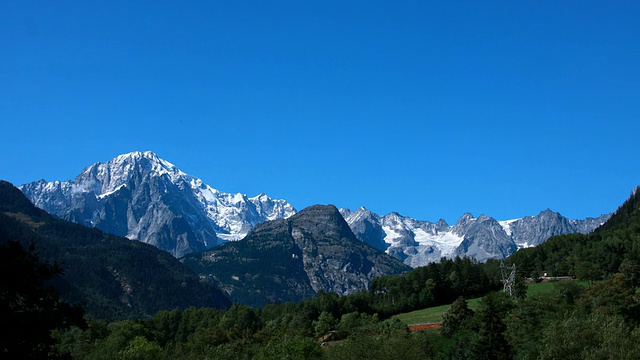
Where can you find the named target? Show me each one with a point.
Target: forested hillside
(292, 259)
(110, 277)
(294, 330)
(570, 321)
(612, 248)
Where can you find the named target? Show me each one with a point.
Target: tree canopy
(30, 307)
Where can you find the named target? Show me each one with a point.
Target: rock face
(533, 230)
(292, 259)
(143, 197)
(484, 238)
(418, 243)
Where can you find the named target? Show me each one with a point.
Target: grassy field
(434, 314)
(535, 288)
(429, 315)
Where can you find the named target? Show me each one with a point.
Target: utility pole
(508, 278)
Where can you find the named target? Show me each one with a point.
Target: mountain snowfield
(143, 197)
(418, 243)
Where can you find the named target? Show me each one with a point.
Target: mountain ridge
(143, 197)
(292, 259)
(418, 243)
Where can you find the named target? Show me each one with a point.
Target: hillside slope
(292, 259)
(607, 250)
(111, 277)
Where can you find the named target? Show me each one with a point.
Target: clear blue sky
(430, 109)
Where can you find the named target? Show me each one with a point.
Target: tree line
(614, 247)
(263, 332)
(575, 320)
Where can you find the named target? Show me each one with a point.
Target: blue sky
(430, 109)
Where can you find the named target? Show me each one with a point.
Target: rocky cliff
(291, 259)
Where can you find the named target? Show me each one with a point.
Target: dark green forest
(613, 247)
(110, 277)
(594, 319)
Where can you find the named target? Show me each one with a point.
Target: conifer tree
(29, 307)
(456, 318)
(492, 344)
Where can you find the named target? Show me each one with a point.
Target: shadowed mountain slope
(111, 277)
(292, 259)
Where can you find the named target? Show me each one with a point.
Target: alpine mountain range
(143, 197)
(418, 243)
(146, 198)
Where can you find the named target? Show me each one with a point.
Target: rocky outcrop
(291, 259)
(484, 238)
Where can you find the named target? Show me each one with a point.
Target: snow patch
(506, 225)
(392, 235)
(102, 196)
(447, 242)
(81, 188)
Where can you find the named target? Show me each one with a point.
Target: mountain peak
(394, 216)
(135, 157)
(361, 211)
(292, 259)
(139, 154)
(262, 197)
(549, 213)
(145, 160)
(141, 196)
(317, 209)
(466, 217)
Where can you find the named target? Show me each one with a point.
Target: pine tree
(29, 308)
(456, 318)
(492, 344)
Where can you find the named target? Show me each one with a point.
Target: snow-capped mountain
(143, 197)
(533, 230)
(418, 243)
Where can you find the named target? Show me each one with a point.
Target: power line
(508, 278)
